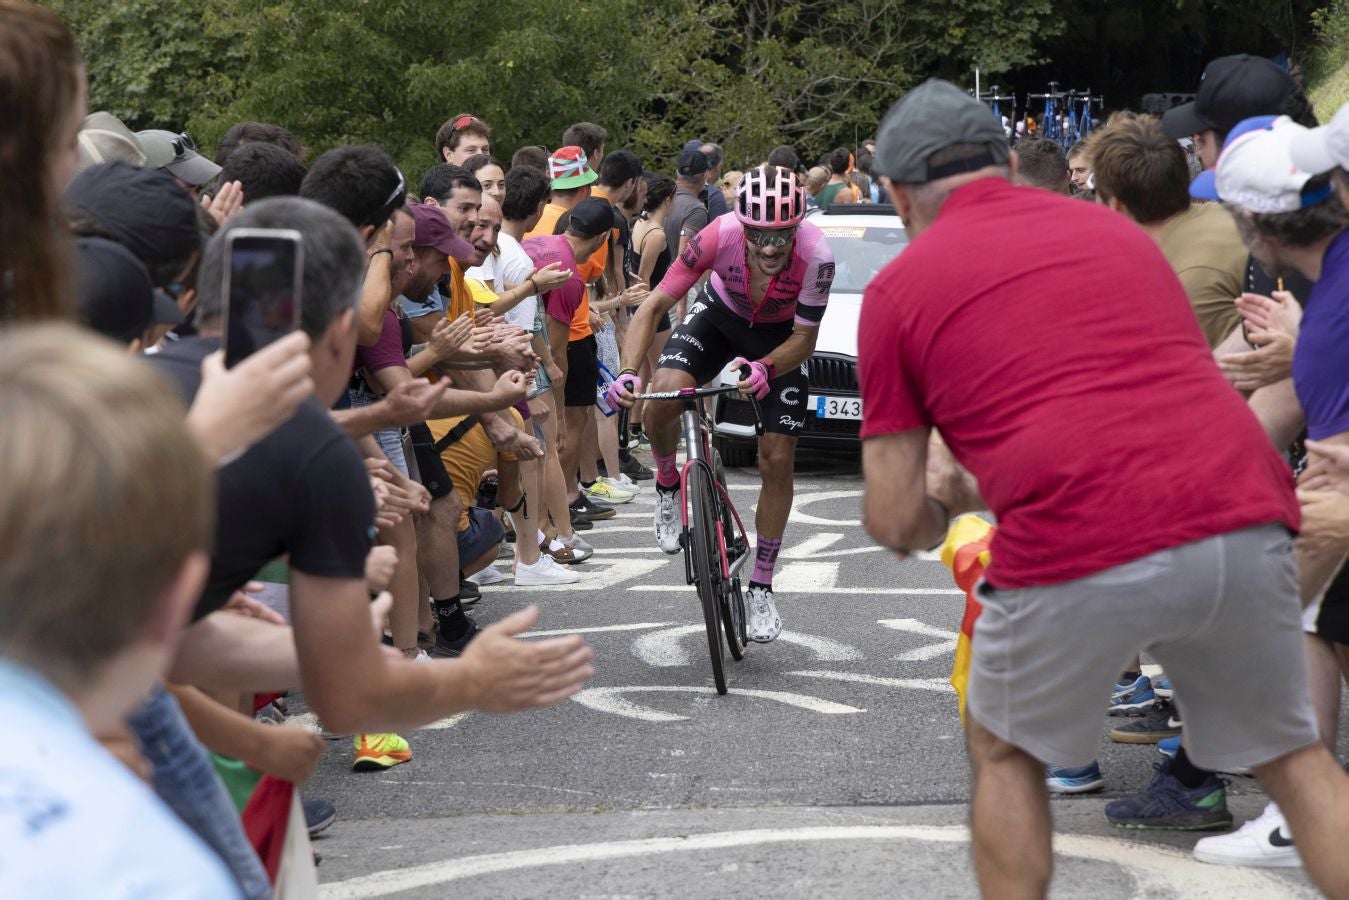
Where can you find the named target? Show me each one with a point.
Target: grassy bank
(1328, 69)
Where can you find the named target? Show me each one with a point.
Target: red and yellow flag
(965, 553)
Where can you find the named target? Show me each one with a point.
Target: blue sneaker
(1084, 780)
(1133, 698)
(1166, 804)
(1161, 686)
(1169, 747)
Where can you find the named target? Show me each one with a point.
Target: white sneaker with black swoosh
(1263, 841)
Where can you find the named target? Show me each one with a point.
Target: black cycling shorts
(583, 372)
(711, 336)
(1332, 620)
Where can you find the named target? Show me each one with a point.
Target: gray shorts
(1221, 616)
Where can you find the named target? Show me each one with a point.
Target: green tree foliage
(748, 74)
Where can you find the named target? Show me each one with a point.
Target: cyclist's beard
(770, 265)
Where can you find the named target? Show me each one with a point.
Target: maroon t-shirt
(1051, 344)
(560, 303)
(385, 352)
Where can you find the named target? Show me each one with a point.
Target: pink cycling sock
(667, 474)
(765, 560)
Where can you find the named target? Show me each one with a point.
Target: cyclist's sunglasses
(182, 145)
(770, 237)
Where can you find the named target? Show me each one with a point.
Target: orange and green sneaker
(379, 751)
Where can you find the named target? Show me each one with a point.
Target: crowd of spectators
(322, 515)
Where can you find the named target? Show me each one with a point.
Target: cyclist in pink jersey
(760, 307)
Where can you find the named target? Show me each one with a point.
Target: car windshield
(860, 252)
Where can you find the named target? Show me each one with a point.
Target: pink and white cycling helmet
(770, 197)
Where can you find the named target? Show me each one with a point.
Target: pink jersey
(800, 290)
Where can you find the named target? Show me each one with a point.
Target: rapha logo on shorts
(790, 395)
(689, 339)
(674, 357)
(789, 422)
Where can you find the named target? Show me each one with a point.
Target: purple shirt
(387, 351)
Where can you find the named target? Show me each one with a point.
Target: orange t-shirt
(460, 300)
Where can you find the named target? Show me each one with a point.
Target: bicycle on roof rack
(995, 98)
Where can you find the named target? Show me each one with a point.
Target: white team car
(864, 239)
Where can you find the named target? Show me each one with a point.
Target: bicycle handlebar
(695, 393)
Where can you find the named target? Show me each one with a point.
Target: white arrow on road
(610, 700)
(931, 651)
(916, 684)
(664, 648)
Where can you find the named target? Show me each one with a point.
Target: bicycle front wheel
(705, 556)
(732, 601)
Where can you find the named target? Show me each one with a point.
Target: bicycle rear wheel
(705, 557)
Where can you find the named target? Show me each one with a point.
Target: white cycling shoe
(764, 624)
(667, 519)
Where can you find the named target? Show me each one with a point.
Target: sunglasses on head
(770, 237)
(182, 145)
(465, 121)
(397, 198)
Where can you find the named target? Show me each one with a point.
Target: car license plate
(836, 407)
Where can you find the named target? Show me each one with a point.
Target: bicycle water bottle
(605, 379)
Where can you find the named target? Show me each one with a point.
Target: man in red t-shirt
(1139, 504)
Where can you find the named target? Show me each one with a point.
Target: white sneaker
(667, 519)
(764, 623)
(544, 572)
(1263, 841)
(489, 575)
(606, 491)
(624, 482)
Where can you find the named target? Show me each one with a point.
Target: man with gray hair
(1075, 434)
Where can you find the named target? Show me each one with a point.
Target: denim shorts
(390, 440)
(187, 782)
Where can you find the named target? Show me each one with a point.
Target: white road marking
(819, 545)
(798, 515)
(916, 684)
(596, 573)
(931, 651)
(635, 626)
(1156, 871)
(802, 577)
(311, 721)
(610, 700)
(895, 591)
(665, 648)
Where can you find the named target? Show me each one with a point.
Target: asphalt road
(834, 768)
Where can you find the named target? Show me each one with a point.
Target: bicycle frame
(717, 583)
(699, 453)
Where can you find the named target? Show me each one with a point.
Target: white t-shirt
(516, 266)
(74, 822)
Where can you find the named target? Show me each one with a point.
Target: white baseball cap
(1255, 169)
(1318, 150)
